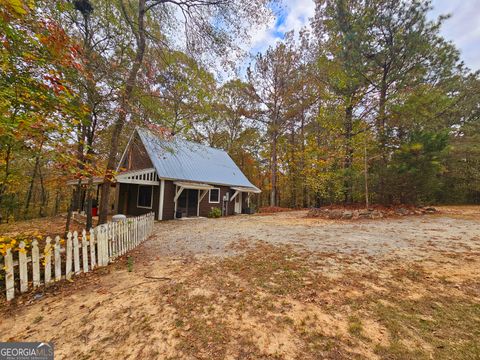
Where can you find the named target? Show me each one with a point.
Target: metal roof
(178, 159)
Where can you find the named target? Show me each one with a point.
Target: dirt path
(273, 287)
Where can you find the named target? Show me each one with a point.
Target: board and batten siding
(127, 200)
(136, 157)
(206, 206)
(168, 204)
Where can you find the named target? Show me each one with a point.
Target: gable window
(145, 196)
(214, 196)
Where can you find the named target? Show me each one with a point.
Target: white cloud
(262, 36)
(298, 15)
(463, 28)
(292, 15)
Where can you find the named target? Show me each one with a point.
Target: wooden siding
(136, 157)
(206, 206)
(168, 204)
(127, 200)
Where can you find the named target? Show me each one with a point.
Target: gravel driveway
(412, 235)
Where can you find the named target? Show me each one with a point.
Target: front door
(192, 203)
(187, 202)
(238, 203)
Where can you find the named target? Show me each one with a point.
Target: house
(176, 178)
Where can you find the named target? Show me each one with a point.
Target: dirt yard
(273, 287)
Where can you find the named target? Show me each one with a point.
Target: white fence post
(150, 229)
(9, 275)
(48, 261)
(84, 251)
(127, 236)
(76, 253)
(130, 235)
(99, 236)
(110, 241)
(105, 246)
(124, 234)
(68, 265)
(22, 265)
(58, 260)
(35, 264)
(136, 231)
(145, 226)
(93, 263)
(102, 245)
(106, 242)
(113, 255)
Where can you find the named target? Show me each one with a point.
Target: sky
(463, 28)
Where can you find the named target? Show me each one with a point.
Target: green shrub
(215, 213)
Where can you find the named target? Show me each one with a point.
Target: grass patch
(399, 351)
(38, 319)
(266, 284)
(355, 326)
(446, 327)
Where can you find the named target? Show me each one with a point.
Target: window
(145, 195)
(214, 195)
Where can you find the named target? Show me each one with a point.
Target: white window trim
(210, 196)
(151, 198)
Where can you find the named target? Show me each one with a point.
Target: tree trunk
(44, 195)
(302, 161)
(123, 111)
(293, 169)
(89, 224)
(3, 185)
(348, 161)
(381, 124)
(273, 170)
(365, 164)
(32, 183)
(57, 202)
(318, 198)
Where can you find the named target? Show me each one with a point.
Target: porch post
(175, 202)
(198, 202)
(160, 202)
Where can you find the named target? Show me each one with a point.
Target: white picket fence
(104, 244)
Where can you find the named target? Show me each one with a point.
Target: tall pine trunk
(138, 28)
(293, 169)
(382, 137)
(348, 161)
(32, 184)
(3, 185)
(273, 170)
